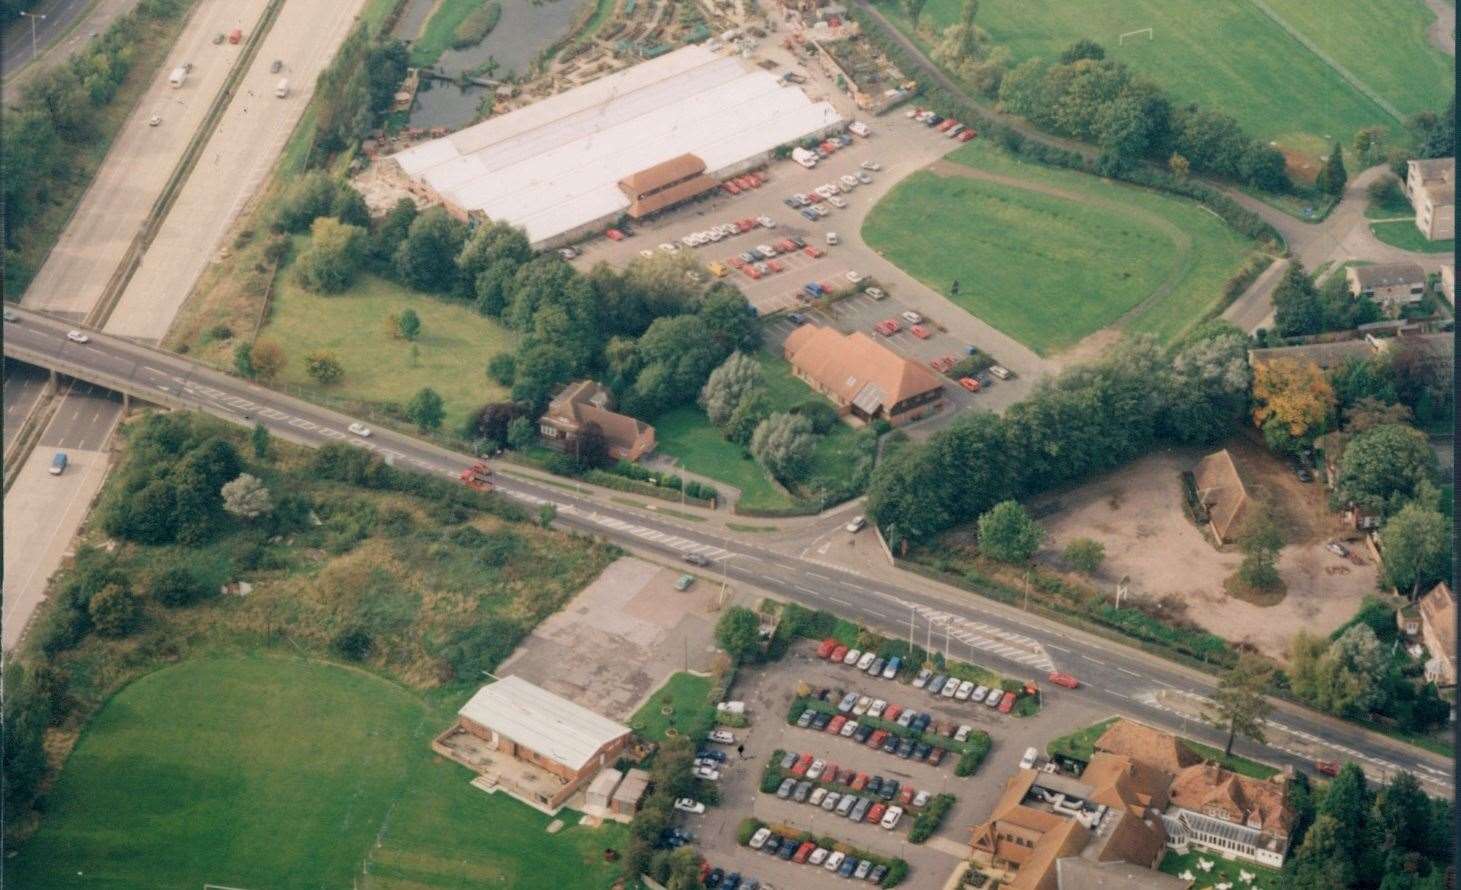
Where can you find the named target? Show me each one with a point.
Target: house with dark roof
(585, 403)
(1392, 286)
(862, 377)
(1431, 185)
(1222, 493)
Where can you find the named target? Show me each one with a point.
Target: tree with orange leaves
(1295, 397)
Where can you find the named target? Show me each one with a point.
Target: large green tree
(1008, 534)
(334, 256)
(1332, 176)
(1240, 706)
(738, 632)
(1384, 467)
(426, 260)
(1417, 545)
(426, 409)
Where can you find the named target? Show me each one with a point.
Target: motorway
(1112, 674)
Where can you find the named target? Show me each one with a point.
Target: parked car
(802, 852)
(936, 685)
(803, 763)
(830, 800)
(890, 745)
(969, 383)
(863, 732)
(707, 773)
(852, 656)
(820, 721)
(849, 729)
(857, 524)
(921, 750)
(758, 840)
(848, 866)
(875, 710)
(859, 812)
(721, 737)
(862, 870)
(966, 689)
(835, 860)
(689, 805)
(951, 688)
(963, 734)
(935, 756)
(838, 202)
(1337, 548)
(920, 681)
(890, 670)
(832, 239)
(845, 805)
(996, 698)
(1327, 767)
(921, 799)
(803, 789)
(866, 661)
(876, 293)
(789, 760)
(1008, 704)
(905, 749)
(818, 856)
(876, 668)
(814, 771)
(786, 788)
(773, 844)
(838, 654)
(1001, 372)
(906, 718)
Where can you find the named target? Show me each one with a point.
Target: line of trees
(1098, 100)
(57, 118)
(1088, 419)
(355, 91)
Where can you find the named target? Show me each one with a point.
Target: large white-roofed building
(634, 142)
(513, 720)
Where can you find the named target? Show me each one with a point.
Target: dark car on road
(696, 559)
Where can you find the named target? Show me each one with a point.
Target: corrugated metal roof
(549, 724)
(555, 165)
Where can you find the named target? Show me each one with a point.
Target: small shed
(601, 789)
(626, 800)
(1221, 490)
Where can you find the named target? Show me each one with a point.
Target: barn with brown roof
(585, 403)
(1222, 493)
(862, 377)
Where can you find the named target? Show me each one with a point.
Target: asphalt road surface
(24, 385)
(1111, 674)
(17, 43)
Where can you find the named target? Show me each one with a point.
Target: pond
(525, 30)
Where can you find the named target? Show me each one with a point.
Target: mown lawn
(1047, 270)
(687, 696)
(1404, 235)
(687, 434)
(284, 772)
(450, 355)
(1233, 58)
(1223, 870)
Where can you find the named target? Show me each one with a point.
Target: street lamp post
(32, 16)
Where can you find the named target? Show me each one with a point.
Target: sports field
(1233, 57)
(258, 772)
(1050, 256)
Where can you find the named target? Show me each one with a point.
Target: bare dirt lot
(622, 637)
(1136, 513)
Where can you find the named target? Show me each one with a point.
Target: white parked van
(282, 90)
(178, 75)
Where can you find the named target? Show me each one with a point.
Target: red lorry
(478, 476)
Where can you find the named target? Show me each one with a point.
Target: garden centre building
(632, 143)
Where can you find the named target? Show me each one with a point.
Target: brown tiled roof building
(861, 376)
(585, 402)
(1149, 747)
(1438, 631)
(665, 184)
(1221, 490)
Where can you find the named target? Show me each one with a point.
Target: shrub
(928, 821)
(352, 644)
(974, 755)
(177, 587)
(749, 826)
(477, 25)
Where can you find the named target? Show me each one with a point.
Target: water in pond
(525, 30)
(413, 17)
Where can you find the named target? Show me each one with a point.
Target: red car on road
(920, 332)
(1065, 680)
(1327, 767)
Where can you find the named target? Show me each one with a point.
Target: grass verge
(1223, 870)
(1404, 235)
(441, 30)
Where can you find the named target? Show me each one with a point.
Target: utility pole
(32, 16)
(912, 612)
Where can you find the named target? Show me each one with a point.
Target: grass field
(283, 772)
(1049, 270)
(687, 434)
(1404, 235)
(452, 351)
(1233, 58)
(687, 695)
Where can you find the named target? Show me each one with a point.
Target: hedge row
(932, 816)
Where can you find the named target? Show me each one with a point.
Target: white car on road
(689, 805)
(912, 317)
(359, 429)
(77, 337)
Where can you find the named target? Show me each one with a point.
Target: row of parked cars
(816, 204)
(864, 733)
(946, 125)
(808, 771)
(761, 260)
(718, 233)
(738, 184)
(936, 684)
(716, 877)
(809, 853)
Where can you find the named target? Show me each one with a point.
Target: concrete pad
(234, 163)
(42, 515)
(141, 160)
(621, 637)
